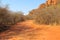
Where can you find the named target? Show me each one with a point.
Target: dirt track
(29, 31)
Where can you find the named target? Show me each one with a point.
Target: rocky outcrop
(52, 2)
(42, 6)
(46, 4)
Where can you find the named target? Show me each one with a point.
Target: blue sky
(23, 5)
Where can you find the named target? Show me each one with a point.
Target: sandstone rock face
(42, 6)
(52, 2)
(45, 5)
(49, 3)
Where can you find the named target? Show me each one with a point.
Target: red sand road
(28, 30)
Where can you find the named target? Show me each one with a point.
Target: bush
(49, 15)
(8, 18)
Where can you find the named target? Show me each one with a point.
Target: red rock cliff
(49, 3)
(52, 2)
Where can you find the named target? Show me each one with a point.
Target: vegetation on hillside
(49, 15)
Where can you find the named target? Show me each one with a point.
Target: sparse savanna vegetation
(9, 18)
(48, 16)
(38, 24)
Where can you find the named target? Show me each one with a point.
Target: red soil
(28, 30)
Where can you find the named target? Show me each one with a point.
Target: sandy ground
(28, 30)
